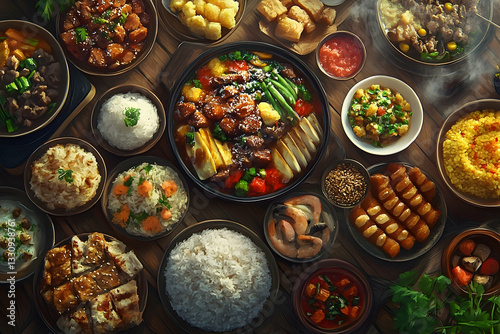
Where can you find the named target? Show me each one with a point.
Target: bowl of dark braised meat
(34, 78)
(248, 121)
(108, 37)
(437, 33)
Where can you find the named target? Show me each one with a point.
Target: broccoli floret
(241, 188)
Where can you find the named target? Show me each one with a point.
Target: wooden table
(474, 83)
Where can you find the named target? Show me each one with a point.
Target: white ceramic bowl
(408, 94)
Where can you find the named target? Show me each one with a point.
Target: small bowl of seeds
(345, 183)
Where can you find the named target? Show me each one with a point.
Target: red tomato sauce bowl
(332, 296)
(341, 55)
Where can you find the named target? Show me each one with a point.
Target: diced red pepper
(203, 74)
(318, 316)
(381, 111)
(489, 267)
(302, 108)
(273, 180)
(461, 275)
(257, 186)
(232, 179)
(467, 247)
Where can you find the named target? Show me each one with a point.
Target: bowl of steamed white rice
(145, 198)
(128, 120)
(218, 276)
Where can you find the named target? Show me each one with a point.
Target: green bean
(284, 92)
(285, 84)
(292, 85)
(292, 115)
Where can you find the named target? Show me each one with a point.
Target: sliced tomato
(302, 107)
(257, 186)
(236, 66)
(203, 74)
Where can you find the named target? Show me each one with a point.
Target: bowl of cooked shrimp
(301, 227)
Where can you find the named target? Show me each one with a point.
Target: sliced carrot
(15, 34)
(120, 189)
(355, 311)
(120, 217)
(19, 54)
(345, 310)
(44, 45)
(350, 292)
(318, 316)
(169, 187)
(343, 283)
(144, 188)
(165, 214)
(151, 224)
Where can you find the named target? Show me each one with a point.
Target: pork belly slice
(79, 251)
(107, 276)
(126, 301)
(86, 287)
(104, 318)
(129, 263)
(77, 322)
(65, 298)
(96, 244)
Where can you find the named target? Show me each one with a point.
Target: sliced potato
(315, 123)
(225, 152)
(290, 143)
(287, 154)
(281, 165)
(308, 128)
(306, 139)
(201, 157)
(209, 139)
(294, 133)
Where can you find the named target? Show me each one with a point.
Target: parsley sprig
(67, 175)
(131, 116)
(46, 8)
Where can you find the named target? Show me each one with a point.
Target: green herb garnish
(131, 116)
(65, 174)
(81, 34)
(47, 7)
(164, 202)
(190, 138)
(123, 18)
(147, 168)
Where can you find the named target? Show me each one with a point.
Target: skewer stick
(489, 21)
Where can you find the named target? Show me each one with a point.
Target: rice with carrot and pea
(147, 200)
(471, 154)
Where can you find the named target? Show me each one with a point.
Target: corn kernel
(404, 47)
(451, 46)
(422, 32)
(448, 7)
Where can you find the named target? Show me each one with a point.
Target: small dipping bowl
(341, 55)
(345, 183)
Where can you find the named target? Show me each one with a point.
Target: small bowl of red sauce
(341, 55)
(332, 296)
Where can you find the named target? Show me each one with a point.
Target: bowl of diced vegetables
(35, 80)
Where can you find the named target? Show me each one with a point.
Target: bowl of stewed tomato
(332, 296)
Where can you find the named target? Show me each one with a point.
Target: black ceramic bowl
(213, 188)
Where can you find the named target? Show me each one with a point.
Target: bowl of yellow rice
(468, 152)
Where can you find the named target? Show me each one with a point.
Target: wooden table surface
(439, 97)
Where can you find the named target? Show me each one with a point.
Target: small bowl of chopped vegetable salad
(382, 115)
(145, 198)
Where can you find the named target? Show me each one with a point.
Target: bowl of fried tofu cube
(297, 21)
(207, 20)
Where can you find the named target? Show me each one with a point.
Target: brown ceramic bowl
(336, 269)
(40, 151)
(453, 118)
(49, 314)
(35, 31)
(218, 224)
(327, 216)
(484, 236)
(359, 189)
(124, 89)
(359, 48)
(85, 67)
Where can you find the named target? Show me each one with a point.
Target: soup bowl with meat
(248, 121)
(108, 37)
(34, 78)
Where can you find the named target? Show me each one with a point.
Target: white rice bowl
(217, 280)
(111, 124)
